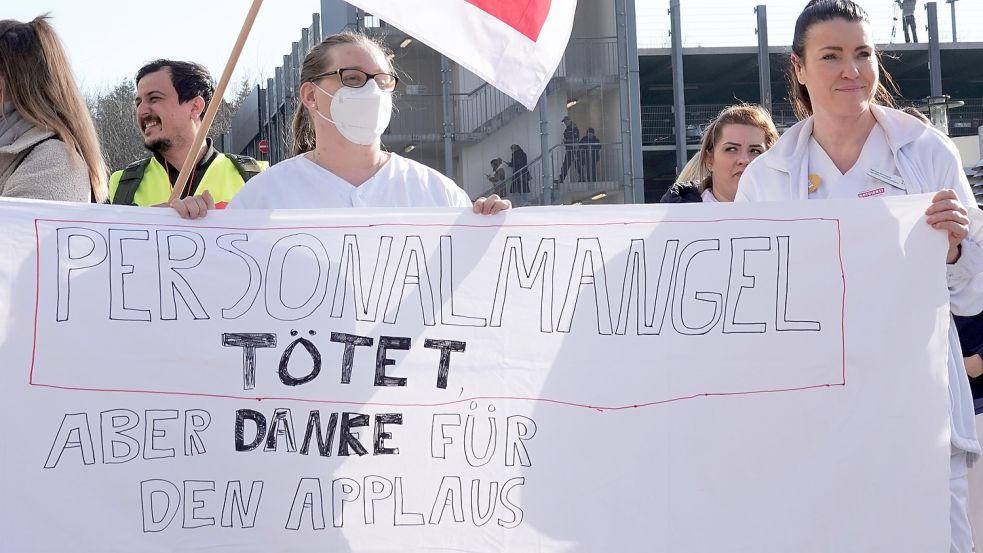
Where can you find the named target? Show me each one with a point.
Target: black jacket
(971, 339)
(682, 193)
(571, 134)
(519, 160)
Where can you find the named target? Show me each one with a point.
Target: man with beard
(170, 104)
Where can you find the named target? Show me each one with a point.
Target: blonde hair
(38, 81)
(314, 63)
(691, 171)
(740, 114)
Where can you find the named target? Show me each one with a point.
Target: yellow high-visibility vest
(223, 179)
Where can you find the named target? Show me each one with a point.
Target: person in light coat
(48, 144)
(851, 145)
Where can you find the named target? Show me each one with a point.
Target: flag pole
(223, 83)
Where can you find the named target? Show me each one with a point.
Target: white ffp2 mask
(361, 115)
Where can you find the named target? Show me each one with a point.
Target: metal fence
(967, 119)
(589, 59)
(590, 175)
(659, 126)
(478, 113)
(482, 111)
(485, 109)
(659, 129)
(415, 114)
(732, 23)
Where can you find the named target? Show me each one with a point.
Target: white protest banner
(766, 378)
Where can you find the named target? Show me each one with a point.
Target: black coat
(971, 339)
(519, 160)
(682, 193)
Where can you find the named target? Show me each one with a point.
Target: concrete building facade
(451, 120)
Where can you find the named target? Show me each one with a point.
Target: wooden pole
(206, 124)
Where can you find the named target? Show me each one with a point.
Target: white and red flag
(515, 45)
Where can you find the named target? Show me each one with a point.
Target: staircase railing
(590, 172)
(523, 187)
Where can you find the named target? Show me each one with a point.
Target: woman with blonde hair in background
(732, 140)
(691, 171)
(49, 149)
(347, 83)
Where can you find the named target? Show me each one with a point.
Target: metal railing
(658, 123)
(477, 113)
(483, 110)
(523, 187)
(415, 114)
(733, 23)
(967, 119)
(591, 170)
(590, 59)
(486, 109)
(658, 126)
(590, 173)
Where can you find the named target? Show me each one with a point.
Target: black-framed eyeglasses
(356, 78)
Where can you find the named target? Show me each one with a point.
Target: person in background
(520, 174)
(171, 100)
(731, 141)
(497, 176)
(908, 19)
(571, 149)
(49, 149)
(848, 130)
(347, 82)
(590, 151)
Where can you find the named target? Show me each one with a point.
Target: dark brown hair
(38, 81)
(913, 111)
(314, 64)
(740, 114)
(819, 11)
(189, 79)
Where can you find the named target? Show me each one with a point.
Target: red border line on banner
(453, 402)
(839, 242)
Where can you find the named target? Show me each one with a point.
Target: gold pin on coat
(814, 182)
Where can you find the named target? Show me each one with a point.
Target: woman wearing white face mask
(346, 102)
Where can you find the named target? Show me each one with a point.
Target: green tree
(114, 115)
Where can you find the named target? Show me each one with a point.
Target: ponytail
(303, 131)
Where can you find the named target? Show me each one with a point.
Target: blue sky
(109, 40)
(732, 22)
